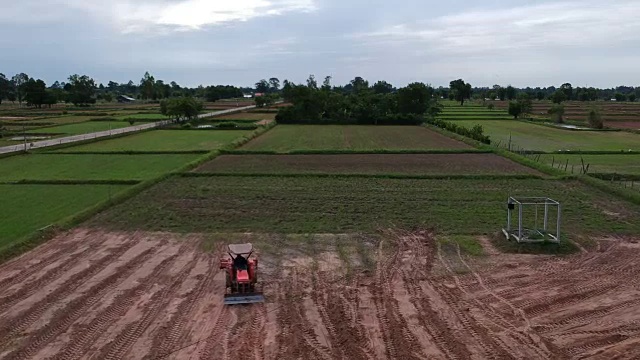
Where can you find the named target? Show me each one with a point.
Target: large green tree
(5, 87)
(415, 99)
(181, 109)
(147, 86)
(18, 81)
(262, 86)
(461, 91)
(35, 92)
(81, 90)
(567, 89)
(274, 84)
(382, 87)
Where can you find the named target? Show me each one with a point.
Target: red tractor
(241, 272)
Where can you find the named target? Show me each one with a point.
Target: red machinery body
(241, 273)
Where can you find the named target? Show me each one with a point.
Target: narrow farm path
(107, 133)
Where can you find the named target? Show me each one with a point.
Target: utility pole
(24, 137)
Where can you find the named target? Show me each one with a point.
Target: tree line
(358, 102)
(566, 92)
(82, 90)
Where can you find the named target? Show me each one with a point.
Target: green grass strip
(615, 176)
(613, 189)
(130, 152)
(72, 182)
(31, 241)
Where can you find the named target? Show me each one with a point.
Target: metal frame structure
(524, 234)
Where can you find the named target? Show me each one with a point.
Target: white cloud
(547, 25)
(156, 15)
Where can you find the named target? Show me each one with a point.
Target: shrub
(595, 118)
(491, 107)
(557, 113)
(515, 109)
(475, 133)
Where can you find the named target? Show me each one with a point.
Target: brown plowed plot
(413, 164)
(395, 295)
(633, 125)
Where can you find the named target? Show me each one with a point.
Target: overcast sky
(192, 42)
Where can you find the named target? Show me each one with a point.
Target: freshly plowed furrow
(66, 316)
(31, 287)
(169, 335)
(84, 336)
(120, 346)
(21, 321)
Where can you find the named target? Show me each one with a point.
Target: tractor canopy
(240, 249)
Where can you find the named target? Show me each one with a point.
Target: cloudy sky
(518, 42)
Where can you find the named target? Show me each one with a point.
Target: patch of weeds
(344, 255)
(565, 247)
(469, 245)
(364, 247)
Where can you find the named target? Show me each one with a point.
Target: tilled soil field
(96, 295)
(413, 164)
(633, 125)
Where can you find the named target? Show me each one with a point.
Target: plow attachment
(238, 299)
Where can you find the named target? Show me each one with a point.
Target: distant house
(247, 96)
(125, 99)
(258, 94)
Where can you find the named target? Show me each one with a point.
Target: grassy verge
(468, 244)
(565, 247)
(338, 204)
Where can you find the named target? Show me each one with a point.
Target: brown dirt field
(415, 164)
(96, 295)
(624, 125)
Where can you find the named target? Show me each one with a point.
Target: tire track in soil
(585, 317)
(247, 333)
(213, 338)
(119, 347)
(521, 337)
(40, 252)
(65, 317)
(297, 338)
(399, 342)
(438, 328)
(21, 321)
(169, 335)
(345, 332)
(35, 285)
(85, 336)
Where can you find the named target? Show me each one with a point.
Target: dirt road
(97, 295)
(107, 133)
